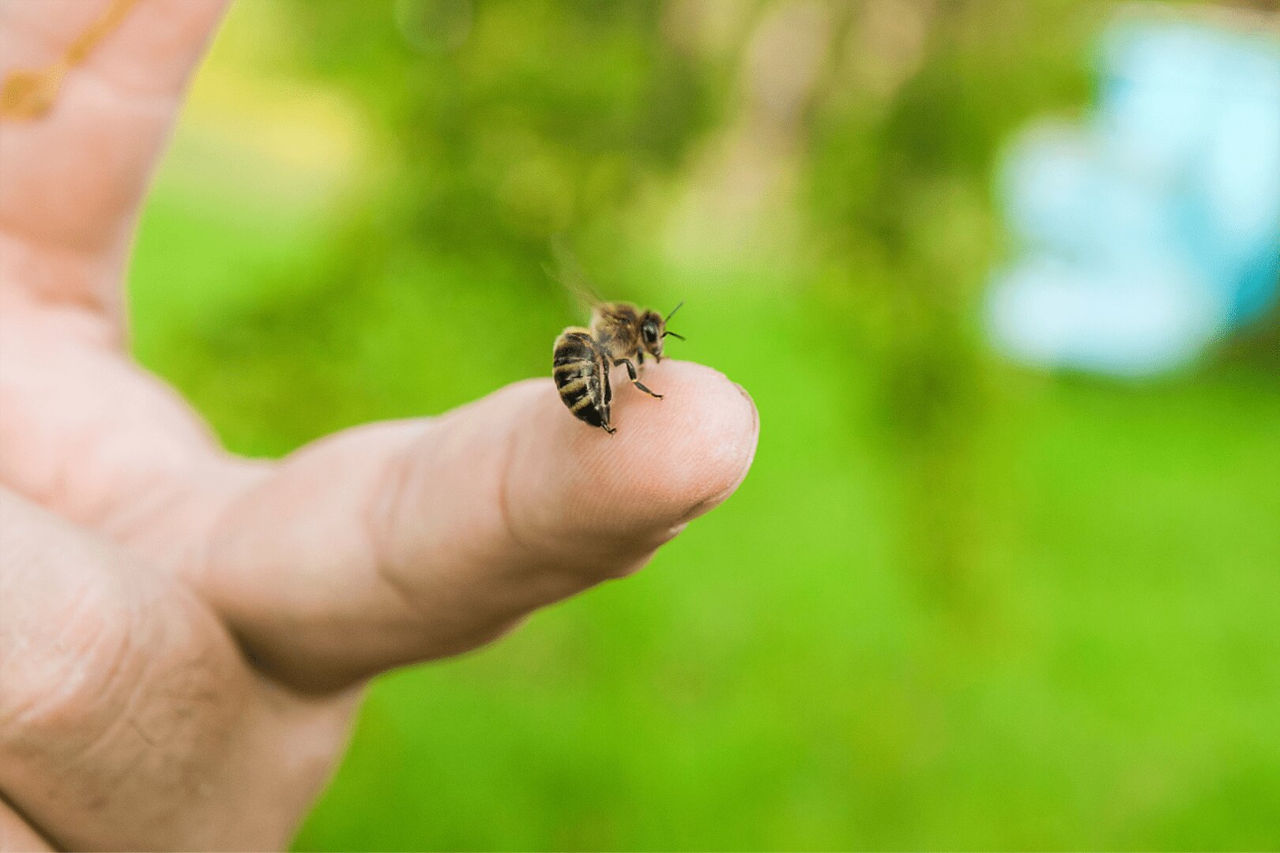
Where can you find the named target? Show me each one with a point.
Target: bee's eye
(650, 332)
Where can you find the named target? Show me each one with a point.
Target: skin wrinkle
(196, 567)
(506, 465)
(146, 738)
(507, 561)
(386, 512)
(183, 496)
(61, 480)
(171, 766)
(95, 796)
(138, 690)
(192, 464)
(66, 780)
(78, 272)
(525, 538)
(62, 285)
(43, 710)
(179, 708)
(142, 688)
(407, 466)
(144, 630)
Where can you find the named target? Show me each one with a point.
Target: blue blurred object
(1153, 228)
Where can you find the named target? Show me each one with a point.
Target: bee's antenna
(673, 312)
(673, 334)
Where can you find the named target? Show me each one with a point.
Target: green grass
(1107, 676)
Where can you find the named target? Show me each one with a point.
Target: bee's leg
(640, 359)
(635, 377)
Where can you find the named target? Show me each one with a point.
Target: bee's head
(653, 328)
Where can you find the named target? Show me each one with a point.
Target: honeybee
(620, 334)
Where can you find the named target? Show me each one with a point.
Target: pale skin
(184, 634)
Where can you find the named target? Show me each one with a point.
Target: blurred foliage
(954, 605)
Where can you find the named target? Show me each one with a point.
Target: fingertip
(670, 460)
(697, 444)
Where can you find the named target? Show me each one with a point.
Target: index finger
(397, 542)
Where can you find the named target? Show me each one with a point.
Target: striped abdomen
(581, 374)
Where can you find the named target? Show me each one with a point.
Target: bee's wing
(566, 270)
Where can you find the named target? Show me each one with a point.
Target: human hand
(183, 633)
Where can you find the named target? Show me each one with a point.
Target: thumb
(121, 696)
(398, 542)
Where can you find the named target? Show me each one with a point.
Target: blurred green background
(956, 604)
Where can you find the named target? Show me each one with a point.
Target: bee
(620, 334)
